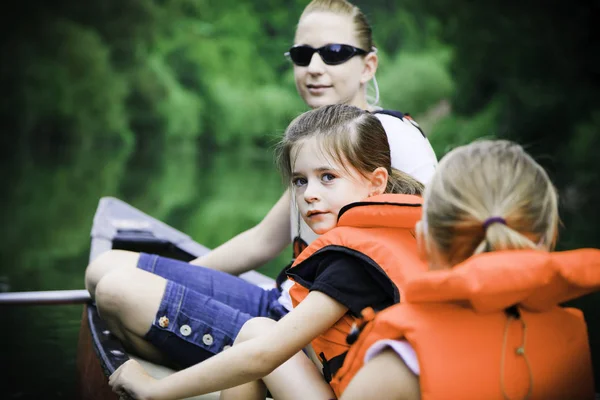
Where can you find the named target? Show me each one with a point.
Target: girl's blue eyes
(326, 177)
(298, 181)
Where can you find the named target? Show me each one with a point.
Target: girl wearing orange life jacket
(334, 158)
(485, 322)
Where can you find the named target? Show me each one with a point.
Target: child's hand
(130, 379)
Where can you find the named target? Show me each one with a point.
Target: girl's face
(320, 84)
(321, 186)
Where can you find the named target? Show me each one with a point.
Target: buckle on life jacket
(330, 367)
(366, 315)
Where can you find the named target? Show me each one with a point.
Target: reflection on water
(40, 342)
(38, 358)
(48, 211)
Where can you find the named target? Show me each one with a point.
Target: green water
(40, 341)
(49, 205)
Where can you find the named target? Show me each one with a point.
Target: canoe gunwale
(117, 225)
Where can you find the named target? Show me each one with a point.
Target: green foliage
(543, 81)
(236, 197)
(162, 179)
(178, 84)
(162, 106)
(237, 192)
(453, 131)
(397, 27)
(260, 111)
(413, 82)
(581, 192)
(48, 210)
(73, 82)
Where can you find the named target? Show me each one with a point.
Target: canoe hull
(117, 225)
(92, 380)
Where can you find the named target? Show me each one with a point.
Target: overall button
(163, 322)
(207, 339)
(185, 330)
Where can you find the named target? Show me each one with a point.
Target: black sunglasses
(331, 54)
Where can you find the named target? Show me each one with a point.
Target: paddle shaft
(82, 296)
(45, 297)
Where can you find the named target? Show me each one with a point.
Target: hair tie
(493, 220)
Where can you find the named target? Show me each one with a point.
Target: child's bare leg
(105, 263)
(128, 300)
(384, 377)
(297, 378)
(250, 391)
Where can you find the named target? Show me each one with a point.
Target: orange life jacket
(380, 230)
(456, 321)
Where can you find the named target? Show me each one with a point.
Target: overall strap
(405, 117)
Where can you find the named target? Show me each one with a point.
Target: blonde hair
(350, 136)
(364, 33)
(362, 27)
(490, 179)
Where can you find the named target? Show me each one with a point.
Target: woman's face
(320, 84)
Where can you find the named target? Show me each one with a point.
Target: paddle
(45, 297)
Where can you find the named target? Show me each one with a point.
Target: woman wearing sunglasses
(164, 309)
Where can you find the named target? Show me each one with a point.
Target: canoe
(118, 225)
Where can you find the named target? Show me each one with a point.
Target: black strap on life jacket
(330, 367)
(393, 113)
(282, 276)
(298, 246)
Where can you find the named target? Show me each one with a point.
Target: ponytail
(487, 196)
(402, 183)
(503, 237)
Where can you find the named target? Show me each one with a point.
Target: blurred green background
(174, 107)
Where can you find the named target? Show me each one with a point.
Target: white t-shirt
(401, 347)
(411, 152)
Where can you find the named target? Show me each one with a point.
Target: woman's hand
(132, 380)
